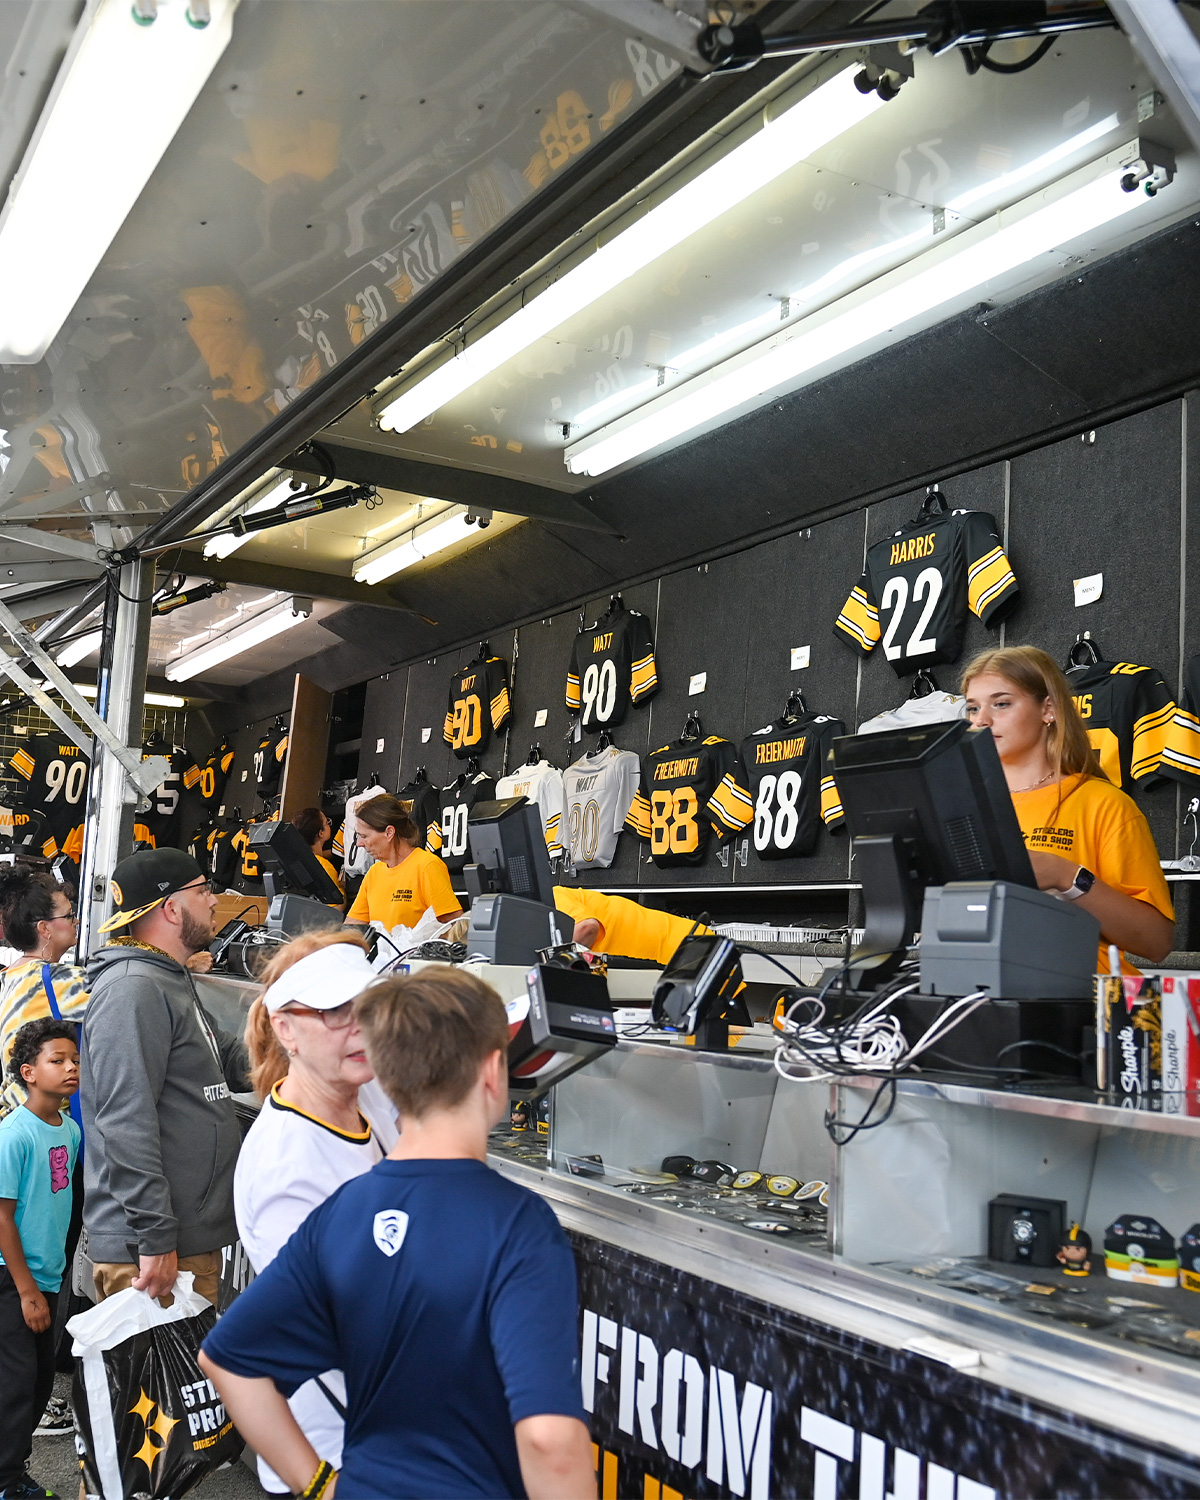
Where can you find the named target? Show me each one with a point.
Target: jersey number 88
(673, 826)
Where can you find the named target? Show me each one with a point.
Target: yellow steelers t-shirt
(630, 930)
(400, 895)
(1096, 825)
(330, 871)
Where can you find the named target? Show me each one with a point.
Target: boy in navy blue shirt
(445, 1292)
(38, 1147)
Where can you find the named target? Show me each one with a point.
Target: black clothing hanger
(933, 507)
(535, 754)
(420, 776)
(473, 766)
(604, 740)
(484, 651)
(154, 740)
(615, 602)
(1084, 653)
(923, 684)
(374, 781)
(692, 729)
(794, 707)
(279, 723)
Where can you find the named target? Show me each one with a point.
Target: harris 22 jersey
(612, 666)
(479, 703)
(671, 807)
(920, 582)
(783, 784)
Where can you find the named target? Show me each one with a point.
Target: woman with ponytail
(323, 1120)
(39, 920)
(1087, 840)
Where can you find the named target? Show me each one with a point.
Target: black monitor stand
(893, 888)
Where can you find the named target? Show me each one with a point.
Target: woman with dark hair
(39, 919)
(316, 830)
(1087, 840)
(405, 881)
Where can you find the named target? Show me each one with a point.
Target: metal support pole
(120, 693)
(1168, 46)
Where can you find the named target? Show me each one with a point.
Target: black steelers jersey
(421, 802)
(1181, 752)
(214, 773)
(247, 875)
(448, 837)
(479, 704)
(1127, 711)
(28, 828)
(163, 818)
(612, 666)
(781, 782)
(222, 859)
(918, 585)
(269, 756)
(671, 806)
(56, 772)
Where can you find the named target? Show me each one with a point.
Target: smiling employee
(1087, 840)
(405, 880)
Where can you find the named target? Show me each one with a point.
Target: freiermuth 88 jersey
(612, 666)
(599, 790)
(57, 773)
(918, 585)
(783, 784)
(671, 807)
(1127, 711)
(479, 704)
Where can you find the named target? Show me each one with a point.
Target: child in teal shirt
(38, 1146)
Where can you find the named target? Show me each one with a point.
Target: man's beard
(195, 935)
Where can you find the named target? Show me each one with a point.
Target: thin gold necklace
(1035, 785)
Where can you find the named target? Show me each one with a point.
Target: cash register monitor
(289, 866)
(924, 806)
(508, 847)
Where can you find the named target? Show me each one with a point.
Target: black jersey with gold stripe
(612, 666)
(1181, 752)
(671, 809)
(56, 772)
(163, 819)
(1127, 711)
(918, 585)
(269, 756)
(214, 773)
(479, 703)
(782, 783)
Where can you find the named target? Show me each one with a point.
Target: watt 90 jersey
(671, 807)
(783, 784)
(918, 585)
(57, 775)
(479, 703)
(598, 791)
(612, 666)
(1127, 711)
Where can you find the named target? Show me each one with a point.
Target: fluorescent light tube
(151, 700)
(121, 94)
(963, 265)
(235, 642)
(413, 546)
(228, 543)
(816, 120)
(75, 651)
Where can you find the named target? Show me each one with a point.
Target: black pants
(26, 1378)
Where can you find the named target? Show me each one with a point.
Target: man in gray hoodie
(155, 1079)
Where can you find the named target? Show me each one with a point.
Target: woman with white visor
(323, 1120)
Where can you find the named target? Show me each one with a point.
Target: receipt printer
(1013, 942)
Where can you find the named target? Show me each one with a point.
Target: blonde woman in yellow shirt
(405, 881)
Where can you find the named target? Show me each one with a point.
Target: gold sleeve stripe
(281, 748)
(501, 708)
(731, 810)
(339, 844)
(859, 620)
(433, 839)
(637, 820)
(988, 580)
(1127, 669)
(191, 776)
(1182, 750)
(831, 802)
(22, 761)
(227, 760)
(49, 848)
(448, 728)
(643, 677)
(1149, 740)
(573, 698)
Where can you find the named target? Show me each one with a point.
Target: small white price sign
(697, 683)
(378, 747)
(1089, 589)
(800, 657)
(540, 718)
(425, 733)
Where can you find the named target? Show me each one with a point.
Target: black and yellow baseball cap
(145, 880)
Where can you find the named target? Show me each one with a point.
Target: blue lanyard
(73, 1106)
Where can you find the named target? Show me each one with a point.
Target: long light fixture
(796, 134)
(414, 546)
(151, 700)
(1080, 203)
(75, 651)
(271, 622)
(121, 94)
(225, 545)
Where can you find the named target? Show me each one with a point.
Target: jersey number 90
(454, 831)
(67, 779)
(599, 692)
(466, 727)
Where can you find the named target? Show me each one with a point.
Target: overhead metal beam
(50, 541)
(290, 581)
(413, 476)
(46, 571)
(1168, 46)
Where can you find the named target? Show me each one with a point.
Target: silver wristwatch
(1080, 886)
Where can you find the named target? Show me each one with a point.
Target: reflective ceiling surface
(341, 157)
